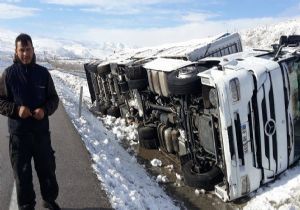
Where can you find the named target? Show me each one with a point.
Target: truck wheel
(147, 132)
(148, 143)
(114, 111)
(148, 137)
(139, 84)
(205, 180)
(183, 85)
(134, 73)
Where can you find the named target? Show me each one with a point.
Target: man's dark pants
(24, 147)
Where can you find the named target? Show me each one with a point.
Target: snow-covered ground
(282, 194)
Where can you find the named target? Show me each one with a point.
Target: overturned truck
(111, 82)
(232, 121)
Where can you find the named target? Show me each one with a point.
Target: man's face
(24, 52)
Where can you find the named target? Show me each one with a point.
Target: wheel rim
(186, 72)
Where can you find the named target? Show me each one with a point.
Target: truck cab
(254, 99)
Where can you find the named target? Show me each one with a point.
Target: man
(27, 98)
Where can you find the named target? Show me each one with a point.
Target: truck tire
(114, 111)
(135, 73)
(148, 143)
(205, 180)
(139, 84)
(183, 86)
(147, 132)
(148, 137)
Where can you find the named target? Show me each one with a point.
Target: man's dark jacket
(27, 85)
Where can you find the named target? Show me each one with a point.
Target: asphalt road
(79, 187)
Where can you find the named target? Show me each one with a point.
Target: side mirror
(275, 47)
(283, 41)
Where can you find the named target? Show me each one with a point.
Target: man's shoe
(52, 205)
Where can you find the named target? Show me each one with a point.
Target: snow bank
(74, 83)
(121, 130)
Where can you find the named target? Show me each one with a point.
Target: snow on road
(282, 194)
(126, 182)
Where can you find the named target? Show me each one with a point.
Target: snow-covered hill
(260, 37)
(264, 36)
(59, 48)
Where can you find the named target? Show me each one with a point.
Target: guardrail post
(80, 101)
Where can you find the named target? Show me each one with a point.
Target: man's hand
(38, 114)
(24, 112)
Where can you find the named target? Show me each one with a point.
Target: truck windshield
(294, 78)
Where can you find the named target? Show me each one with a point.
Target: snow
(162, 179)
(60, 48)
(170, 167)
(156, 163)
(74, 82)
(127, 183)
(178, 176)
(192, 50)
(263, 37)
(284, 193)
(197, 192)
(121, 130)
(165, 64)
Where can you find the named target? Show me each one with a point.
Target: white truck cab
(255, 97)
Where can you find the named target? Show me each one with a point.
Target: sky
(140, 22)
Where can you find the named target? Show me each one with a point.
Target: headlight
(213, 97)
(235, 89)
(245, 184)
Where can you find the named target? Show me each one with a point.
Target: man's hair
(24, 39)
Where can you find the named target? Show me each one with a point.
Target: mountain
(47, 48)
(61, 48)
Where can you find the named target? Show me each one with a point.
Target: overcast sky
(140, 22)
